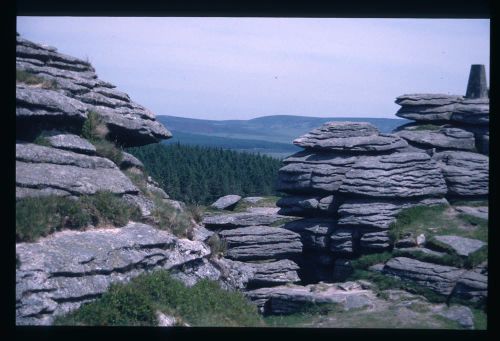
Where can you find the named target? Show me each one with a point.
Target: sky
(242, 68)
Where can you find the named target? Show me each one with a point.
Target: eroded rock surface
(60, 272)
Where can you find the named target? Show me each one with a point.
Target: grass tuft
(40, 216)
(218, 246)
(365, 261)
(31, 79)
(135, 303)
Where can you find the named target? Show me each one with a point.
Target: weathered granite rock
(226, 202)
(459, 313)
(77, 91)
(261, 242)
(378, 213)
(129, 160)
(400, 175)
(349, 136)
(71, 142)
(427, 107)
(472, 111)
(143, 203)
(60, 272)
(444, 138)
(479, 212)
(414, 252)
(290, 299)
(305, 206)
(466, 173)
(233, 220)
(472, 286)
(314, 232)
(342, 241)
(46, 169)
(439, 278)
(460, 245)
(375, 241)
(269, 274)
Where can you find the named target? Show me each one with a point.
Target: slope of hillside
(270, 135)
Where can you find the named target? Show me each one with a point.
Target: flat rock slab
(400, 175)
(466, 174)
(283, 300)
(445, 138)
(439, 278)
(459, 313)
(226, 202)
(234, 220)
(472, 111)
(267, 274)
(378, 213)
(129, 160)
(60, 272)
(479, 212)
(349, 136)
(62, 172)
(427, 107)
(261, 242)
(460, 245)
(72, 143)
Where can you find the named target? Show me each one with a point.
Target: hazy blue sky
(240, 68)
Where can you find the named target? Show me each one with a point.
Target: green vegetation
(201, 175)
(308, 313)
(426, 127)
(365, 261)
(42, 140)
(94, 130)
(39, 216)
(438, 220)
(135, 304)
(167, 217)
(267, 201)
(218, 246)
(480, 319)
(31, 79)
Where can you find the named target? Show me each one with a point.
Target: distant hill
(271, 135)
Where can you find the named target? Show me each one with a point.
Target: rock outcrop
(226, 202)
(71, 90)
(60, 272)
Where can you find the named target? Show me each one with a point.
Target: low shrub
(134, 304)
(218, 246)
(169, 218)
(108, 150)
(196, 211)
(39, 216)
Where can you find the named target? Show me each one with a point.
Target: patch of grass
(480, 319)
(470, 202)
(39, 216)
(432, 127)
(94, 129)
(437, 220)
(138, 178)
(267, 201)
(42, 140)
(108, 150)
(169, 218)
(448, 259)
(366, 261)
(384, 282)
(307, 314)
(218, 246)
(32, 79)
(447, 323)
(134, 304)
(196, 211)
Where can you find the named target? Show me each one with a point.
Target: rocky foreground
(344, 192)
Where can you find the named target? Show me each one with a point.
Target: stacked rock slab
(348, 184)
(455, 130)
(54, 95)
(449, 122)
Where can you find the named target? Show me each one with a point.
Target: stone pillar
(476, 87)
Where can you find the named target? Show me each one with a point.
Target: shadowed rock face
(78, 91)
(261, 242)
(445, 138)
(63, 271)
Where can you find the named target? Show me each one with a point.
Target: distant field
(270, 135)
